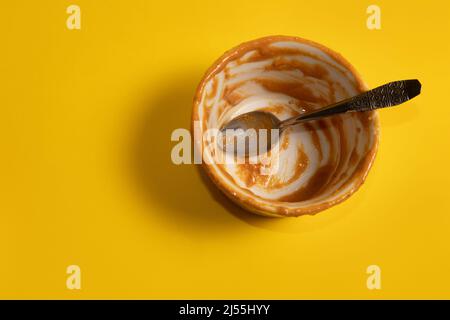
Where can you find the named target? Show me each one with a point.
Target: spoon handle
(390, 94)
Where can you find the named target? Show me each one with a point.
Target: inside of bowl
(315, 162)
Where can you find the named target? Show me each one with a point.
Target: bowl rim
(251, 204)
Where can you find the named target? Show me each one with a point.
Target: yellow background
(86, 176)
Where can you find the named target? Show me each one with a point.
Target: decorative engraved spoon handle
(390, 94)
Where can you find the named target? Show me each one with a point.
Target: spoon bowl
(250, 133)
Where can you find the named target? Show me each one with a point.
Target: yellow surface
(86, 176)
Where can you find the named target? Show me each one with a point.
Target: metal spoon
(390, 94)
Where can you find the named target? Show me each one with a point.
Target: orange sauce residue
(302, 163)
(250, 174)
(293, 89)
(315, 184)
(328, 173)
(310, 70)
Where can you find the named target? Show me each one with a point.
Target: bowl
(317, 164)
